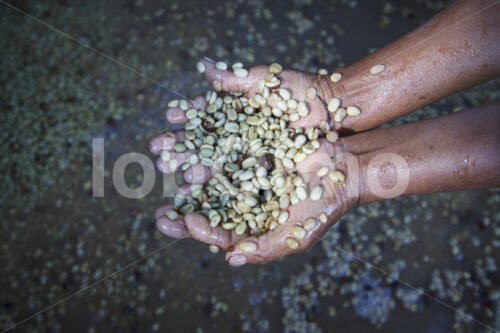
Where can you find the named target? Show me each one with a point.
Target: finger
(171, 228)
(165, 141)
(177, 115)
(160, 211)
(198, 174)
(185, 190)
(231, 82)
(167, 166)
(200, 229)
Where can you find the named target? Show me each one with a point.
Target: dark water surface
(57, 96)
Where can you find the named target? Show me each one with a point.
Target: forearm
(456, 152)
(457, 49)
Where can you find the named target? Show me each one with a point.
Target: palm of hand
(335, 202)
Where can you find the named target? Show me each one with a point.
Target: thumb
(233, 79)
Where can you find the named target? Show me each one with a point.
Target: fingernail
(208, 59)
(176, 116)
(237, 260)
(174, 229)
(197, 174)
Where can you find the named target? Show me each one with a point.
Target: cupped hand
(304, 225)
(314, 89)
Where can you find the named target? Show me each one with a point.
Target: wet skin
(451, 153)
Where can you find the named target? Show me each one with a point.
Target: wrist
(346, 161)
(382, 169)
(371, 173)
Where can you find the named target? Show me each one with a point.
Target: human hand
(321, 89)
(316, 90)
(302, 228)
(299, 232)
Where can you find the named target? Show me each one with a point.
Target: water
(57, 239)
